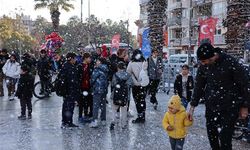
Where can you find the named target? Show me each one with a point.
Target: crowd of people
(85, 78)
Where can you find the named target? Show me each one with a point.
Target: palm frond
(41, 5)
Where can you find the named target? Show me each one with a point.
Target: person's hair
(121, 65)
(120, 51)
(135, 54)
(4, 50)
(13, 55)
(86, 55)
(185, 66)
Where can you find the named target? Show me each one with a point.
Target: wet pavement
(43, 132)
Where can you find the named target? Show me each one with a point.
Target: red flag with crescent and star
(207, 29)
(115, 43)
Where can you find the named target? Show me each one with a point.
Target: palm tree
(237, 34)
(54, 7)
(156, 14)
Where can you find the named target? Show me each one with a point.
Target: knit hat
(175, 102)
(25, 68)
(205, 51)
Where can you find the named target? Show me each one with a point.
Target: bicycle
(41, 93)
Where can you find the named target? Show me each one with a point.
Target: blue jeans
(99, 102)
(176, 144)
(184, 102)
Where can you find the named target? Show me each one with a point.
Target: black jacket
(25, 86)
(44, 68)
(72, 76)
(224, 85)
(178, 86)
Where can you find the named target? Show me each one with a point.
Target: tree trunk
(237, 34)
(156, 14)
(55, 14)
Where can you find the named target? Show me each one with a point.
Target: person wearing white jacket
(11, 70)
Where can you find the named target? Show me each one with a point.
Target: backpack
(60, 85)
(143, 77)
(120, 97)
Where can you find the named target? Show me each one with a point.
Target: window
(219, 8)
(218, 31)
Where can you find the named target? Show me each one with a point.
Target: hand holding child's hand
(170, 128)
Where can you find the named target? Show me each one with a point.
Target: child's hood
(175, 102)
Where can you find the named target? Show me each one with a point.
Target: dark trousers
(152, 88)
(86, 104)
(1, 83)
(220, 127)
(67, 111)
(176, 144)
(139, 95)
(11, 83)
(99, 102)
(25, 102)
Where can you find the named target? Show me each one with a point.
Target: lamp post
(18, 21)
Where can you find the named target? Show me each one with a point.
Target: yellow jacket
(178, 121)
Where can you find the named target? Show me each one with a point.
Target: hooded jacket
(155, 69)
(123, 75)
(178, 121)
(178, 89)
(224, 85)
(99, 79)
(12, 69)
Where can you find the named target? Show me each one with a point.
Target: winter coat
(224, 85)
(178, 121)
(134, 69)
(72, 76)
(99, 79)
(44, 68)
(123, 75)
(25, 86)
(31, 63)
(178, 89)
(12, 69)
(155, 69)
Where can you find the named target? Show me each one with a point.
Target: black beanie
(205, 51)
(70, 55)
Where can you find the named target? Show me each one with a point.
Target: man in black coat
(223, 83)
(4, 56)
(72, 78)
(44, 71)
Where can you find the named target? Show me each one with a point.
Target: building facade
(183, 17)
(182, 22)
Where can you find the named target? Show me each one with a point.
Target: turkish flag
(115, 43)
(207, 29)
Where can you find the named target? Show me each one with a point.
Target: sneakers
(21, 117)
(11, 98)
(30, 116)
(93, 124)
(155, 106)
(138, 120)
(73, 125)
(66, 125)
(129, 115)
(103, 123)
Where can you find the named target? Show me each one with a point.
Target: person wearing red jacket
(86, 103)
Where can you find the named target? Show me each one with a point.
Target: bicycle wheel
(37, 91)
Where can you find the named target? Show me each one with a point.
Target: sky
(115, 10)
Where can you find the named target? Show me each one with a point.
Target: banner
(207, 29)
(146, 48)
(115, 43)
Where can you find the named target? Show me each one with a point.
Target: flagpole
(189, 37)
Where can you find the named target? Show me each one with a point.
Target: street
(43, 132)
